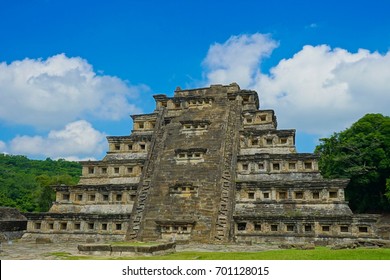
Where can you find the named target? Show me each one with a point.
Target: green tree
(27, 184)
(45, 193)
(362, 154)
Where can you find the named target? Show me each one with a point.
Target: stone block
(94, 247)
(43, 240)
(346, 245)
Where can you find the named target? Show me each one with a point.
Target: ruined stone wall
(76, 226)
(12, 223)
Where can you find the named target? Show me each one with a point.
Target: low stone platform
(367, 243)
(127, 250)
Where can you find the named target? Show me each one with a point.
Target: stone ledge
(127, 250)
(299, 246)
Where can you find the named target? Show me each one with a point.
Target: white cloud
(78, 140)
(49, 93)
(319, 90)
(238, 59)
(3, 147)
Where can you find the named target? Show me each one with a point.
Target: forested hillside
(25, 183)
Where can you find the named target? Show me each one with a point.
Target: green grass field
(320, 253)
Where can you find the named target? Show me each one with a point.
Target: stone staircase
(213, 195)
(145, 180)
(224, 229)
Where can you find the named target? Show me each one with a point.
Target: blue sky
(71, 72)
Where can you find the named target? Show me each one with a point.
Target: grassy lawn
(320, 253)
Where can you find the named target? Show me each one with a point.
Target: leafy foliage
(362, 154)
(26, 184)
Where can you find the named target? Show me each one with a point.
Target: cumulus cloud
(49, 93)
(237, 59)
(78, 140)
(324, 90)
(319, 90)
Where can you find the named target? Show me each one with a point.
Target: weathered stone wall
(329, 229)
(75, 227)
(12, 223)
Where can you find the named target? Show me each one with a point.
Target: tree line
(26, 184)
